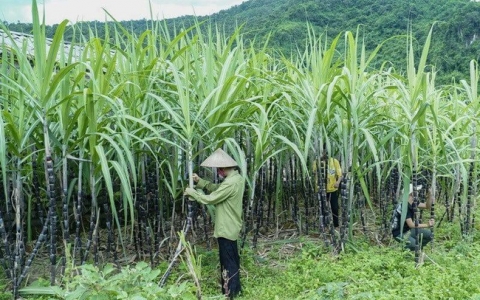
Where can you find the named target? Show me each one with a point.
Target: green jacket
(227, 198)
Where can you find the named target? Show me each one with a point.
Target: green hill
(455, 40)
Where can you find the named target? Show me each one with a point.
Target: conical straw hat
(219, 159)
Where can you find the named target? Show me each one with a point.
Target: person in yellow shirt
(333, 179)
(228, 199)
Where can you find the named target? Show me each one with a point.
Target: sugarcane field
(102, 138)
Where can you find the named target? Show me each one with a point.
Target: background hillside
(455, 40)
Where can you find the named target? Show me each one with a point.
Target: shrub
(139, 282)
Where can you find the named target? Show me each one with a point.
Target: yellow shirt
(334, 171)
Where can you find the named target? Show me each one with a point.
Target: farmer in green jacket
(227, 198)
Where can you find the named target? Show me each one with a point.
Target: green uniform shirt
(227, 198)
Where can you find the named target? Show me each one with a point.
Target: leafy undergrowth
(448, 269)
(295, 268)
(371, 273)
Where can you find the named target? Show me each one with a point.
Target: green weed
(138, 282)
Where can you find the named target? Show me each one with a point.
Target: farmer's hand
(195, 177)
(188, 191)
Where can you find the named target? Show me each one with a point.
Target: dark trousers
(424, 236)
(229, 267)
(333, 199)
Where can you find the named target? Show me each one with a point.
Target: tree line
(284, 24)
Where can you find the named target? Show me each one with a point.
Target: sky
(56, 11)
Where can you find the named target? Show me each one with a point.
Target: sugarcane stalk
(263, 196)
(259, 209)
(108, 224)
(143, 214)
(456, 193)
(50, 179)
(172, 222)
(467, 220)
(149, 237)
(94, 215)
(247, 208)
(345, 212)
(255, 206)
(158, 208)
(78, 213)
(188, 223)
(433, 199)
(270, 190)
(66, 229)
(294, 195)
(249, 212)
(306, 202)
(323, 191)
(361, 207)
(96, 240)
(142, 209)
(52, 216)
(458, 202)
(416, 215)
(19, 208)
(447, 196)
(284, 187)
(277, 185)
(138, 224)
(383, 200)
(206, 217)
(6, 256)
(8, 204)
(41, 239)
(321, 196)
(150, 196)
(36, 190)
(390, 195)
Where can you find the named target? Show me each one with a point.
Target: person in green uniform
(228, 199)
